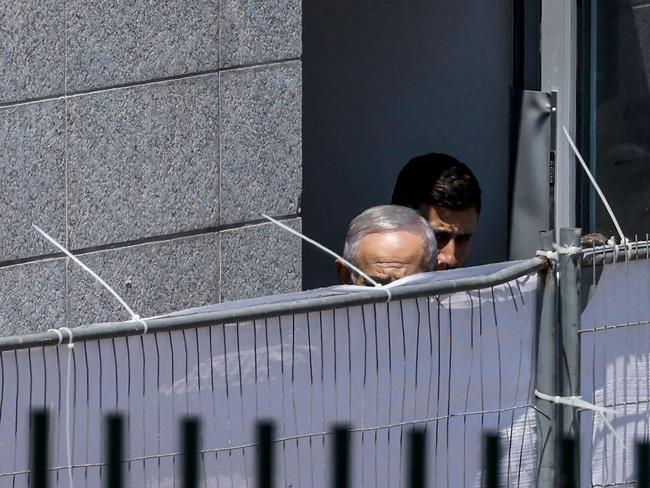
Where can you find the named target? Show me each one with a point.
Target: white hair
(387, 218)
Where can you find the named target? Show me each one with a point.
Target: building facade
(147, 137)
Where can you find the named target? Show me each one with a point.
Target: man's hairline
(411, 231)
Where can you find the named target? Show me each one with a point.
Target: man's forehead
(386, 241)
(392, 254)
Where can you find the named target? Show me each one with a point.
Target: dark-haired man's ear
(342, 270)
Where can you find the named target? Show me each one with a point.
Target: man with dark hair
(446, 193)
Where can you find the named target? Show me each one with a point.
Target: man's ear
(343, 272)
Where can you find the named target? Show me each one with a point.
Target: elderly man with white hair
(388, 242)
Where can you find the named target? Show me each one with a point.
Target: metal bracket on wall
(552, 160)
(531, 209)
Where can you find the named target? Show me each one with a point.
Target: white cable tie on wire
(58, 333)
(567, 250)
(70, 343)
(68, 409)
(574, 401)
(595, 184)
(145, 327)
(60, 336)
(348, 264)
(578, 402)
(550, 255)
(134, 316)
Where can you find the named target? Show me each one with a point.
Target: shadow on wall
(385, 81)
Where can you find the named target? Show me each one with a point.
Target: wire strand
(347, 263)
(595, 185)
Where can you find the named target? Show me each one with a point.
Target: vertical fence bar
(114, 451)
(569, 270)
(39, 449)
(568, 464)
(491, 460)
(417, 463)
(547, 376)
(265, 455)
(341, 457)
(190, 452)
(643, 464)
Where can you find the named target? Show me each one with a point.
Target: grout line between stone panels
(219, 297)
(66, 283)
(147, 240)
(220, 163)
(157, 81)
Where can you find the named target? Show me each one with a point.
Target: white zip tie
(578, 402)
(348, 264)
(550, 255)
(595, 185)
(145, 327)
(58, 333)
(70, 343)
(68, 409)
(567, 250)
(574, 401)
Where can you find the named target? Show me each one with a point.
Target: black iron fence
(190, 450)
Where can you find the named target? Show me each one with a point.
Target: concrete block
(32, 297)
(153, 278)
(32, 187)
(114, 43)
(143, 161)
(261, 141)
(263, 30)
(260, 260)
(32, 58)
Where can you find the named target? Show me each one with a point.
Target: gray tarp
(456, 364)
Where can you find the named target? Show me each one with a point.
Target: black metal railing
(190, 454)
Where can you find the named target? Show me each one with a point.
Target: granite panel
(260, 260)
(143, 161)
(153, 278)
(114, 43)
(261, 141)
(32, 187)
(32, 297)
(263, 30)
(32, 58)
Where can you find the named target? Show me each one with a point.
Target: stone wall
(147, 137)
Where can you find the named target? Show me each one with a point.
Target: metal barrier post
(569, 270)
(190, 452)
(643, 464)
(547, 377)
(114, 452)
(39, 449)
(491, 458)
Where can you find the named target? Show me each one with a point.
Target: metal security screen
(615, 365)
(457, 364)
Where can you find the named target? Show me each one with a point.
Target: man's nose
(447, 256)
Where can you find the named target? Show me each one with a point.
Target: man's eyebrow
(381, 280)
